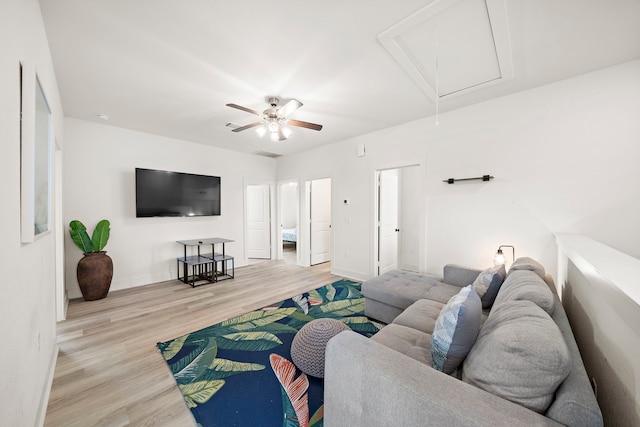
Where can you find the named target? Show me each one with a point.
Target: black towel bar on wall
(480, 178)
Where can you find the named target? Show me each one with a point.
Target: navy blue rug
(239, 372)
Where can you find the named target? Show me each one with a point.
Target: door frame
(422, 208)
(62, 299)
(272, 214)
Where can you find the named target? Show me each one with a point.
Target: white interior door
(388, 225)
(258, 222)
(320, 221)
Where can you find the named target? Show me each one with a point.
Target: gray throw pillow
(456, 330)
(488, 283)
(520, 355)
(526, 263)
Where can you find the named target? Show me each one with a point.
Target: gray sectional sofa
(509, 354)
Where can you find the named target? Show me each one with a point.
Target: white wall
(599, 290)
(289, 205)
(99, 183)
(564, 157)
(27, 293)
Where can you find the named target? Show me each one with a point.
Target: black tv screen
(164, 193)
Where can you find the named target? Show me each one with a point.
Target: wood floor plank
(109, 371)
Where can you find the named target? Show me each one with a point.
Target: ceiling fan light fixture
(273, 119)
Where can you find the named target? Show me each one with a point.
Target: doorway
(397, 219)
(289, 226)
(258, 221)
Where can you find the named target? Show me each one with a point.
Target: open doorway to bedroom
(289, 222)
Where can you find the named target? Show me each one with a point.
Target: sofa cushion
(459, 275)
(420, 315)
(526, 285)
(407, 341)
(456, 330)
(488, 283)
(519, 355)
(526, 263)
(401, 288)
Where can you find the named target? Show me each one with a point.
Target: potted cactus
(95, 269)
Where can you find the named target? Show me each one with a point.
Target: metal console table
(208, 267)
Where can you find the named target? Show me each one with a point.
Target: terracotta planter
(94, 273)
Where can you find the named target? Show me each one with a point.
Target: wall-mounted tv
(164, 193)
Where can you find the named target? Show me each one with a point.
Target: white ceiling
(169, 67)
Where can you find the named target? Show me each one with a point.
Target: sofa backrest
(575, 403)
(524, 285)
(520, 355)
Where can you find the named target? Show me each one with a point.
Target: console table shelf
(210, 267)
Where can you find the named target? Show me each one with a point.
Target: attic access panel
(452, 47)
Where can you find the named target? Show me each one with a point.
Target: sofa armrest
(458, 275)
(368, 384)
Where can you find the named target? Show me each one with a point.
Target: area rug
(239, 372)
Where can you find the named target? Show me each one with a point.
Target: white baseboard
(46, 392)
(353, 275)
(410, 267)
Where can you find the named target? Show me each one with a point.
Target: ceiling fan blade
(248, 110)
(289, 108)
(245, 127)
(304, 124)
(281, 135)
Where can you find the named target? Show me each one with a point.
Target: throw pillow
(456, 330)
(520, 355)
(526, 263)
(488, 283)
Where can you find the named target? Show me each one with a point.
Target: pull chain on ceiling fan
(273, 119)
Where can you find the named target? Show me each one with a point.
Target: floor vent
(267, 154)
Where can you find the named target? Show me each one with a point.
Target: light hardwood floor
(109, 372)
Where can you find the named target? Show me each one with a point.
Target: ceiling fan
(273, 119)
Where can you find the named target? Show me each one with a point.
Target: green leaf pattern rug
(239, 372)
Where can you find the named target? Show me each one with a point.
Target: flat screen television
(164, 193)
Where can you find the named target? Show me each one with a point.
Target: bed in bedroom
(290, 235)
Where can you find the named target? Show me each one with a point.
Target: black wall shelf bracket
(480, 178)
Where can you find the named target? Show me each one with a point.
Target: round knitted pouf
(310, 343)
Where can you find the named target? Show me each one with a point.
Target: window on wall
(42, 159)
(35, 151)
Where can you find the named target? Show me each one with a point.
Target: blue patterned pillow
(456, 330)
(488, 283)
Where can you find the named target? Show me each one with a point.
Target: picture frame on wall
(35, 151)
